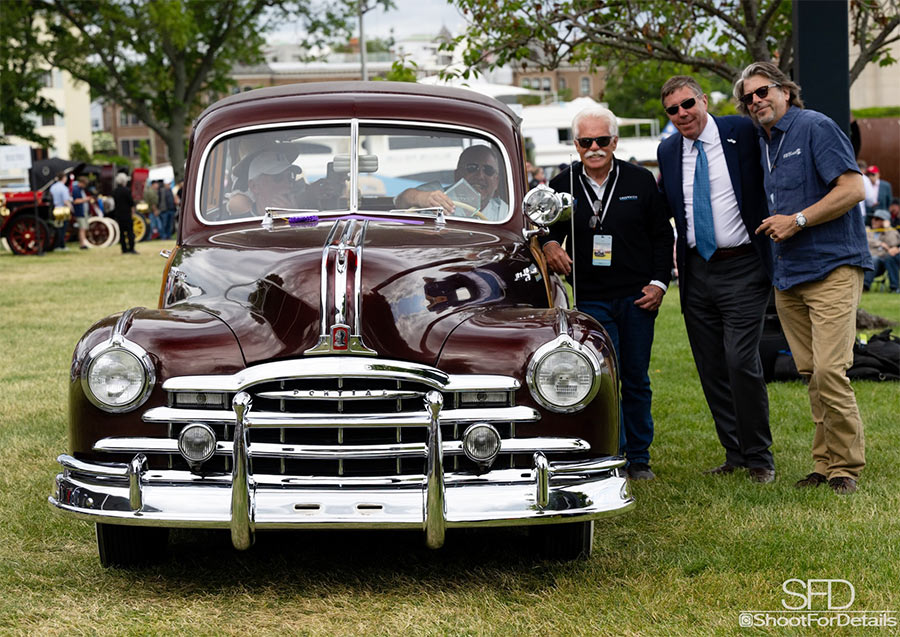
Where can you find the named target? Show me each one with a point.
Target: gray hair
(595, 112)
(121, 179)
(776, 75)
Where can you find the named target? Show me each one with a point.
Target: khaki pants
(819, 321)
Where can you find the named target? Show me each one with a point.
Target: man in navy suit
(711, 176)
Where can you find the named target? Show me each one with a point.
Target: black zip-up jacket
(637, 220)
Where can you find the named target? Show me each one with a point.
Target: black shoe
(812, 480)
(721, 470)
(843, 485)
(762, 474)
(84, 248)
(640, 471)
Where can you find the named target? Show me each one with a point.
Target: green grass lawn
(695, 552)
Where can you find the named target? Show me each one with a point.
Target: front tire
(564, 542)
(120, 545)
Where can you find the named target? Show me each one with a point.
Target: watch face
(801, 220)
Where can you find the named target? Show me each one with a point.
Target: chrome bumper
(551, 492)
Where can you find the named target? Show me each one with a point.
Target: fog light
(197, 443)
(481, 444)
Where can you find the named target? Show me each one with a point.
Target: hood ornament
(340, 294)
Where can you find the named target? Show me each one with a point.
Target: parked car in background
(325, 356)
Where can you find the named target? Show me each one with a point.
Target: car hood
(402, 288)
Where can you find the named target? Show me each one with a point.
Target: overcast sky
(411, 17)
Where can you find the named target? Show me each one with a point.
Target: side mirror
(544, 207)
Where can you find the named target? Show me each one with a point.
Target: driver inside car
(476, 170)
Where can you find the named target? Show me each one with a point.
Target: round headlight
(481, 443)
(563, 378)
(116, 378)
(197, 443)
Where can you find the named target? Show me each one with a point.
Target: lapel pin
(731, 141)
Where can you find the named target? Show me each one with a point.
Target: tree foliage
(21, 75)
(713, 37)
(162, 60)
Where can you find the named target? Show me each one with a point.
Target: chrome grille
(334, 417)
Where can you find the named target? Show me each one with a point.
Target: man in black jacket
(623, 264)
(710, 173)
(122, 213)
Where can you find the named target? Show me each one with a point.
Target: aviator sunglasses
(687, 105)
(487, 169)
(761, 93)
(602, 142)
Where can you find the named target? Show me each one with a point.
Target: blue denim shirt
(806, 153)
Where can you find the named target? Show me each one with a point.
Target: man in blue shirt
(813, 186)
(80, 200)
(61, 196)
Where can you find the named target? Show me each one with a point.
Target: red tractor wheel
(27, 235)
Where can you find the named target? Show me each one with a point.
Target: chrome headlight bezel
(132, 349)
(567, 344)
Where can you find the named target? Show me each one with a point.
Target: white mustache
(594, 153)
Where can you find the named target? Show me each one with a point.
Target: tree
(717, 37)
(161, 59)
(22, 75)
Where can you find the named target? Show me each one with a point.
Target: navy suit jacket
(740, 142)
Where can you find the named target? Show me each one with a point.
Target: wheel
(27, 235)
(472, 210)
(120, 545)
(572, 541)
(101, 232)
(140, 227)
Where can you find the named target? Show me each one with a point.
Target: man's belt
(727, 253)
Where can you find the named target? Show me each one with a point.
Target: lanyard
(607, 195)
(777, 152)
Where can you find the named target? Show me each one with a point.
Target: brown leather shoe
(814, 479)
(843, 485)
(761, 474)
(721, 470)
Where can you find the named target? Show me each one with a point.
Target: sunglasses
(602, 142)
(687, 105)
(487, 169)
(761, 93)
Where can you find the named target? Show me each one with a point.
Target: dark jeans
(126, 233)
(61, 232)
(889, 263)
(167, 223)
(631, 330)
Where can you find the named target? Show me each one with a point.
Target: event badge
(602, 254)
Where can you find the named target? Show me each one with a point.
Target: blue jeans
(631, 330)
(166, 222)
(891, 264)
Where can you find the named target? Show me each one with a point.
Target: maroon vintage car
(355, 330)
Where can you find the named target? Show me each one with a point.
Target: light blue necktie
(704, 229)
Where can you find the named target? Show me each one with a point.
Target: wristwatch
(800, 220)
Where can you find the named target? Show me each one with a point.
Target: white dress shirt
(730, 229)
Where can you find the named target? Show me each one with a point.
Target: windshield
(399, 170)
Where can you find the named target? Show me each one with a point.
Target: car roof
(409, 90)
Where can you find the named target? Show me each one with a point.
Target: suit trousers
(724, 303)
(819, 321)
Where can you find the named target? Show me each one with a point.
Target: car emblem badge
(340, 337)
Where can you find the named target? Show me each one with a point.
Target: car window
(308, 170)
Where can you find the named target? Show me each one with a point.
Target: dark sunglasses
(761, 93)
(602, 142)
(487, 169)
(290, 174)
(687, 105)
